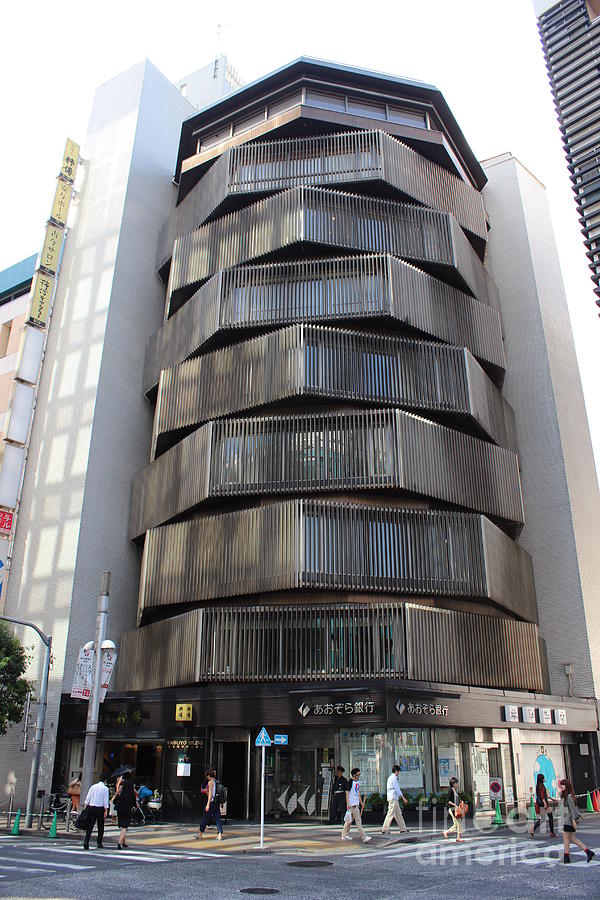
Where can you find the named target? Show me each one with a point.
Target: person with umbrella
(124, 800)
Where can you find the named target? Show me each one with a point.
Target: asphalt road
(498, 866)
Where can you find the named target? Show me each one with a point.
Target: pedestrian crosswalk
(483, 851)
(22, 858)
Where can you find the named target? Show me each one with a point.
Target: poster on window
(411, 768)
(447, 765)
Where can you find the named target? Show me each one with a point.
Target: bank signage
(421, 708)
(337, 708)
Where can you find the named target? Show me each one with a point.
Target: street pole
(91, 731)
(41, 719)
(262, 801)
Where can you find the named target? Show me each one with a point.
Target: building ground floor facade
(431, 731)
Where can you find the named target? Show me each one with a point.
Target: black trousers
(338, 808)
(96, 818)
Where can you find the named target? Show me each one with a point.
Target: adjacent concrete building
(317, 410)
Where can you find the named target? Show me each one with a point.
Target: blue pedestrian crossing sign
(281, 738)
(263, 739)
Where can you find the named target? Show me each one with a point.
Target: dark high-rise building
(570, 31)
(332, 367)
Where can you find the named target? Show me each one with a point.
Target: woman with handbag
(457, 810)
(124, 801)
(571, 815)
(542, 802)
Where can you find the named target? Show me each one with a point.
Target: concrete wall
(92, 428)
(560, 486)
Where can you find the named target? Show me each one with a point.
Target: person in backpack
(213, 792)
(124, 801)
(354, 809)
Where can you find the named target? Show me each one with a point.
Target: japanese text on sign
(51, 248)
(41, 294)
(6, 520)
(426, 709)
(62, 198)
(344, 709)
(70, 160)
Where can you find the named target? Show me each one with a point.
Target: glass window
(364, 108)
(279, 106)
(326, 101)
(411, 751)
(217, 137)
(249, 121)
(407, 117)
(365, 750)
(448, 757)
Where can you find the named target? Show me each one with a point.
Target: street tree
(13, 686)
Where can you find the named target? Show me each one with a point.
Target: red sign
(6, 520)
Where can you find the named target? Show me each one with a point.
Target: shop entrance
(298, 781)
(231, 762)
(486, 766)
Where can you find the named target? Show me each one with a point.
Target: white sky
(484, 55)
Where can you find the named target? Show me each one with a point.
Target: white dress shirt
(97, 795)
(393, 788)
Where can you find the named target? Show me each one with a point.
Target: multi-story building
(352, 518)
(570, 32)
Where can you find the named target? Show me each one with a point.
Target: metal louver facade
(333, 490)
(324, 160)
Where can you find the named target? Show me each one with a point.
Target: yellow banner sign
(62, 198)
(70, 160)
(41, 295)
(51, 249)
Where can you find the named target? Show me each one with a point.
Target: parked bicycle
(57, 803)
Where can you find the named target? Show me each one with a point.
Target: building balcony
(314, 545)
(321, 218)
(325, 641)
(301, 362)
(253, 170)
(369, 289)
(377, 450)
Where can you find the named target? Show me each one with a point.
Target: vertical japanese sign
(42, 287)
(109, 658)
(82, 681)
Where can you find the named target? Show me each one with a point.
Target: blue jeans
(213, 812)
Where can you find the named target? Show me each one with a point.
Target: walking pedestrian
(213, 805)
(338, 805)
(97, 801)
(394, 795)
(454, 808)
(543, 805)
(354, 808)
(124, 801)
(571, 816)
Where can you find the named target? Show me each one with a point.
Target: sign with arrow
(280, 739)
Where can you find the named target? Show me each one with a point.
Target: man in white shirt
(354, 809)
(97, 802)
(394, 795)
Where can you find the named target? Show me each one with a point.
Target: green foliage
(13, 687)
(376, 801)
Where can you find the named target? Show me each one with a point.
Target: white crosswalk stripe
(482, 851)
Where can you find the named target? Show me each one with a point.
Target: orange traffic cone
(595, 802)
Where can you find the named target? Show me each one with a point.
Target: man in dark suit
(338, 804)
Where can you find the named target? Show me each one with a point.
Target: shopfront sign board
(560, 717)
(529, 715)
(511, 713)
(545, 715)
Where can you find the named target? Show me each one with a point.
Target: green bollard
(17, 822)
(589, 806)
(53, 828)
(498, 817)
(532, 815)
